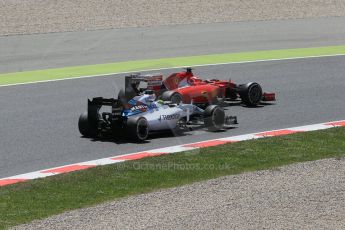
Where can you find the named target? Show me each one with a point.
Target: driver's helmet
(192, 80)
(160, 102)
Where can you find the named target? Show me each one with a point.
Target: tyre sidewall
(85, 127)
(246, 93)
(214, 118)
(133, 128)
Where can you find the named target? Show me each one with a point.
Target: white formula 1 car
(142, 114)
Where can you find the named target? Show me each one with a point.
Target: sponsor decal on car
(169, 117)
(142, 108)
(154, 83)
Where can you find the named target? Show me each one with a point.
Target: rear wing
(94, 105)
(132, 82)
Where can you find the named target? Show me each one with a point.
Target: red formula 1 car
(187, 87)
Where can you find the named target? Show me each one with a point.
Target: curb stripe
(69, 168)
(4, 182)
(166, 150)
(208, 143)
(137, 156)
(277, 133)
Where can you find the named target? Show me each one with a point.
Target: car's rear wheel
(250, 93)
(214, 118)
(172, 96)
(137, 128)
(86, 127)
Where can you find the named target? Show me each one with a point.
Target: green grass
(141, 65)
(23, 202)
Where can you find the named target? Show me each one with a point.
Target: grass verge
(41, 198)
(141, 65)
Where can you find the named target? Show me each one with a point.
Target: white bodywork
(161, 116)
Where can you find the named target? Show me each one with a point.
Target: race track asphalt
(42, 51)
(39, 121)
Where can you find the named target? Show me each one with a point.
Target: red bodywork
(191, 87)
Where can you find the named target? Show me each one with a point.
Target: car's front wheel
(214, 118)
(250, 93)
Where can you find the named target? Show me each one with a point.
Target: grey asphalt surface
(39, 121)
(41, 51)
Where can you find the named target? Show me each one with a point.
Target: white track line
(166, 150)
(175, 67)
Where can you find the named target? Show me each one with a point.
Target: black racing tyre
(231, 94)
(85, 127)
(214, 118)
(137, 128)
(180, 127)
(250, 93)
(172, 96)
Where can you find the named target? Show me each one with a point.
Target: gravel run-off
(300, 196)
(44, 16)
